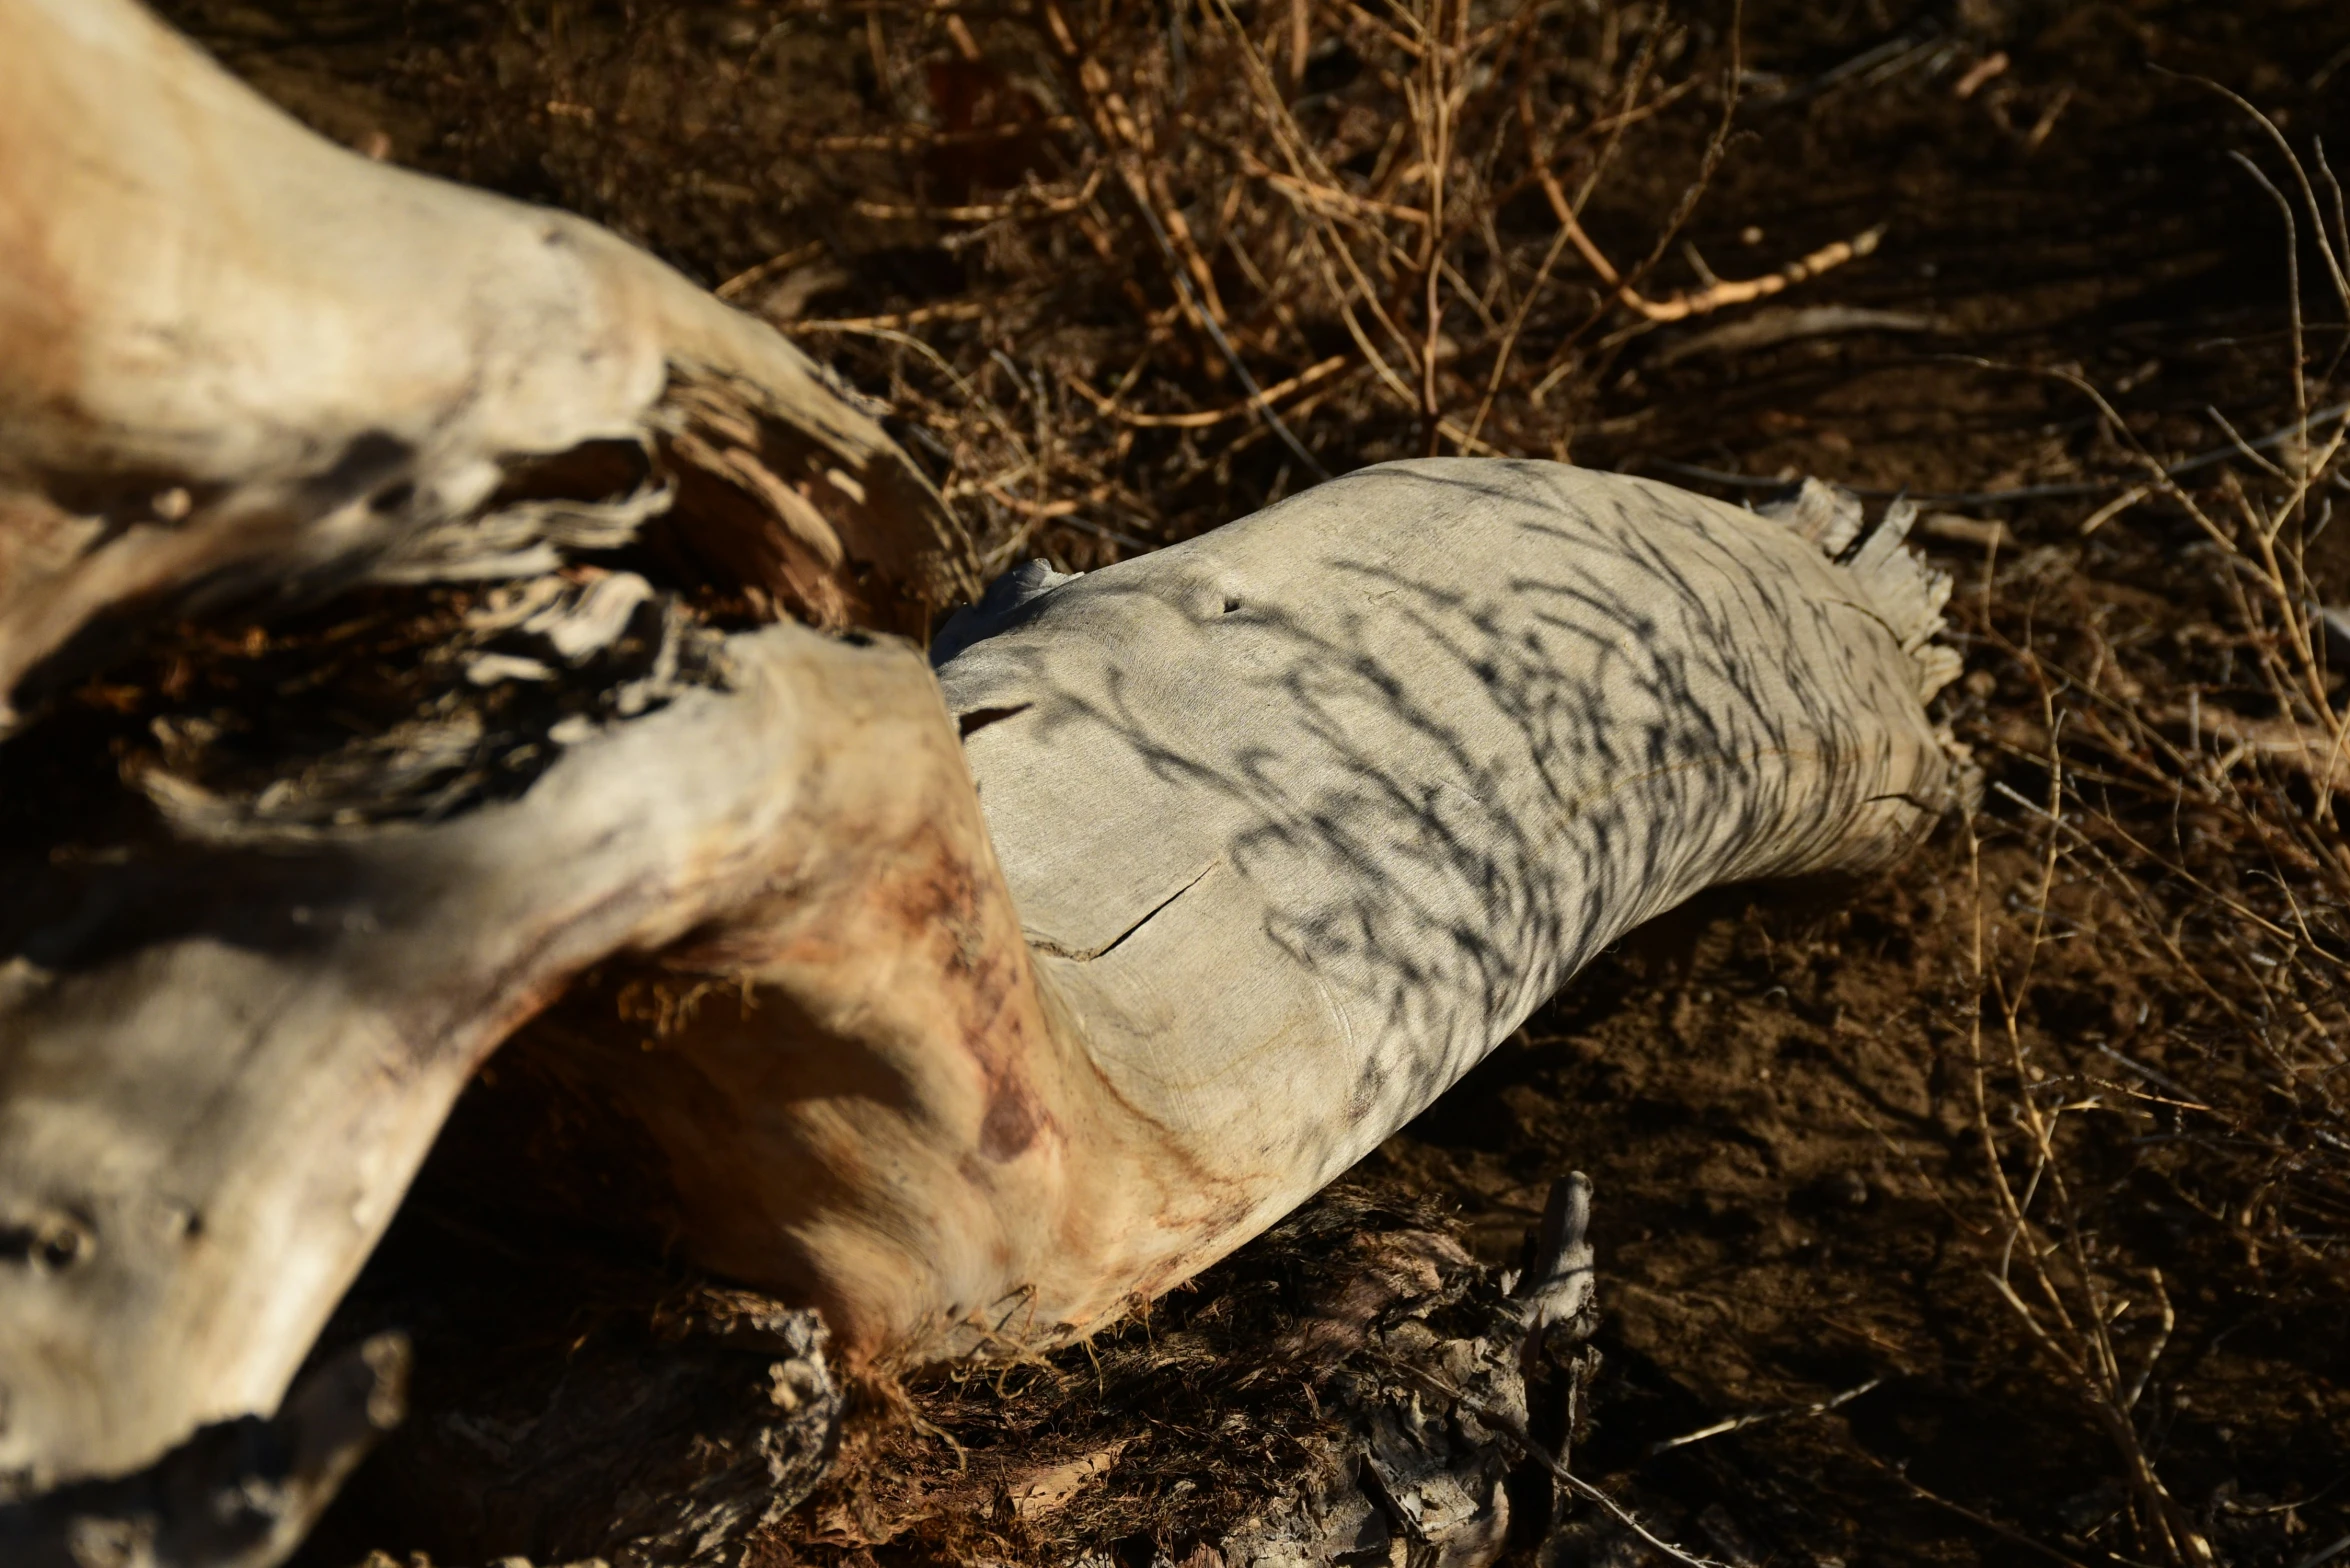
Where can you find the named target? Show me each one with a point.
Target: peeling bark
(672, 1443)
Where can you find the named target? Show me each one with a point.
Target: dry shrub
(2162, 996)
(1125, 272)
(1247, 249)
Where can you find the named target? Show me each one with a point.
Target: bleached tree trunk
(1296, 821)
(242, 369)
(969, 1008)
(240, 366)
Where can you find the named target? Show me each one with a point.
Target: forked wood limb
(1243, 853)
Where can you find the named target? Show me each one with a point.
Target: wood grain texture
(1298, 820)
(971, 1040)
(248, 367)
(222, 1060)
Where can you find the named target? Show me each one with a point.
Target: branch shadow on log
(1430, 784)
(1301, 820)
(1426, 740)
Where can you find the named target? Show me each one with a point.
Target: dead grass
(1320, 236)
(2196, 831)
(1125, 272)
(1361, 293)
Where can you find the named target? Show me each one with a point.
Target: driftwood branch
(246, 367)
(967, 1005)
(1295, 823)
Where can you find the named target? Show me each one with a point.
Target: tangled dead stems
(1209, 255)
(2203, 835)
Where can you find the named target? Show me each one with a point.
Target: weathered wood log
(1300, 818)
(1296, 821)
(241, 368)
(226, 1056)
(967, 1008)
(241, 1494)
(243, 365)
